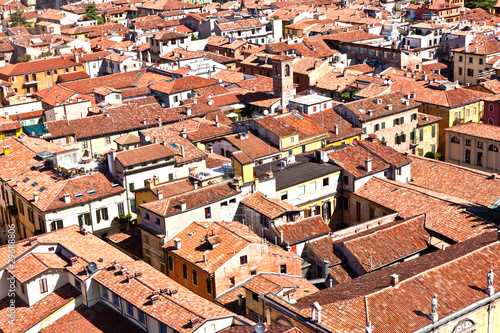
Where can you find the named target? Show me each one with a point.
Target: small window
(157, 221)
(43, 286)
(358, 211)
(142, 316)
(105, 293)
(255, 297)
(107, 139)
(209, 285)
(455, 140)
(208, 213)
(284, 195)
(146, 239)
(78, 285)
(146, 216)
(326, 182)
(292, 139)
(195, 277)
(283, 269)
(170, 264)
(243, 260)
(184, 271)
(312, 187)
(493, 148)
(130, 309)
(116, 300)
(480, 144)
(302, 190)
(468, 142)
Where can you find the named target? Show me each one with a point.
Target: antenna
(92, 267)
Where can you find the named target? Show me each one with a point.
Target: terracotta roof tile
(329, 119)
(28, 316)
(195, 198)
(175, 311)
(446, 178)
(98, 318)
(144, 154)
(352, 159)
(303, 229)
(270, 207)
(445, 215)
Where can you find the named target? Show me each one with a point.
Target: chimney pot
(35, 197)
(159, 194)
(182, 151)
(67, 198)
(6, 150)
(183, 205)
(336, 129)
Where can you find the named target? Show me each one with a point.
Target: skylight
(173, 145)
(298, 115)
(25, 180)
(34, 184)
(43, 188)
(115, 185)
(91, 192)
(78, 195)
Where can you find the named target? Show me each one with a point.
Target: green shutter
(98, 215)
(105, 213)
(421, 134)
(433, 130)
(131, 187)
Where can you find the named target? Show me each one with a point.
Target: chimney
(316, 312)
(155, 299)
(74, 261)
(130, 278)
(434, 315)
(389, 107)
(35, 197)
(240, 300)
(6, 150)
(144, 122)
(368, 165)
(211, 149)
(195, 185)
(394, 280)
(407, 102)
(426, 117)
(269, 174)
(156, 180)
(33, 240)
(149, 183)
(494, 175)
(204, 257)
(336, 129)
(217, 124)
(77, 58)
(177, 242)
(370, 112)
(182, 151)
(378, 101)
(159, 194)
(183, 204)
(67, 199)
(184, 132)
(188, 110)
(117, 267)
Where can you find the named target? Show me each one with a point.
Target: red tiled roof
(37, 66)
(445, 215)
(144, 154)
(96, 319)
(176, 311)
(478, 130)
(270, 207)
(28, 316)
(352, 159)
(302, 230)
(195, 198)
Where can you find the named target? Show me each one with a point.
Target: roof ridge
(433, 193)
(406, 221)
(413, 277)
(56, 194)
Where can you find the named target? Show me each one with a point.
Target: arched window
(465, 326)
(490, 107)
(493, 148)
(467, 113)
(287, 70)
(184, 271)
(209, 286)
(170, 263)
(455, 140)
(475, 111)
(195, 278)
(491, 121)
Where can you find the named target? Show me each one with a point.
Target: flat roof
(311, 99)
(304, 169)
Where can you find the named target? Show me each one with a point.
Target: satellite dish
(147, 138)
(92, 267)
(266, 112)
(260, 327)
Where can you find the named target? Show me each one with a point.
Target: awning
(35, 130)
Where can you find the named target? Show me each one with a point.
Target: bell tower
(283, 85)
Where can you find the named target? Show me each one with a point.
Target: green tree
(24, 58)
(485, 4)
(92, 14)
(18, 20)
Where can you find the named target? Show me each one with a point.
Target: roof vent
(378, 101)
(183, 204)
(67, 198)
(389, 107)
(368, 165)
